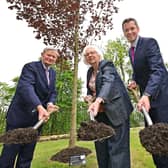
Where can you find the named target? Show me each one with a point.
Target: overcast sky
(18, 45)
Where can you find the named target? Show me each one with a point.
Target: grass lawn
(44, 150)
(140, 158)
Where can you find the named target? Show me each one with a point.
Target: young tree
(68, 25)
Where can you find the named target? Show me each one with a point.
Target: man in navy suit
(150, 74)
(35, 95)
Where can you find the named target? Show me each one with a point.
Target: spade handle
(91, 116)
(147, 117)
(145, 113)
(40, 122)
(90, 113)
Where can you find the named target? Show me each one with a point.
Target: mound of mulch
(19, 135)
(154, 138)
(94, 130)
(65, 154)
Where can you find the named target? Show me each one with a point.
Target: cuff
(49, 103)
(146, 94)
(99, 100)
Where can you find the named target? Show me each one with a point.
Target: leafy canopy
(57, 20)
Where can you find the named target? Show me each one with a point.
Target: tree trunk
(72, 140)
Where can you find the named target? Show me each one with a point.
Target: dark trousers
(160, 161)
(19, 154)
(114, 152)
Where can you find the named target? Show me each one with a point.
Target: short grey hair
(48, 49)
(97, 49)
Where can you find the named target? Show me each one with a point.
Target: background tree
(117, 52)
(6, 94)
(59, 123)
(68, 25)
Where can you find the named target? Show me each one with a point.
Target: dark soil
(155, 138)
(94, 130)
(65, 154)
(19, 135)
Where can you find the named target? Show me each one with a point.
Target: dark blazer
(109, 86)
(32, 90)
(150, 73)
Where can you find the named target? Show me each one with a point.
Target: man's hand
(42, 113)
(52, 108)
(145, 102)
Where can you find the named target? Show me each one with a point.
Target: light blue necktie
(47, 75)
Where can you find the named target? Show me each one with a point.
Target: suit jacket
(32, 90)
(150, 73)
(109, 86)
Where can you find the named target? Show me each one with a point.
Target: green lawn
(140, 158)
(44, 150)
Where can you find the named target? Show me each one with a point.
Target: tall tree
(68, 25)
(117, 51)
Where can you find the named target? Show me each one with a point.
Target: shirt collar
(134, 44)
(46, 68)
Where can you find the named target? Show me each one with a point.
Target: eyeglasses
(88, 53)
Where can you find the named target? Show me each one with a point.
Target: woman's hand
(88, 99)
(95, 106)
(132, 85)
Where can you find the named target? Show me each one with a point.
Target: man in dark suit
(150, 74)
(112, 106)
(35, 95)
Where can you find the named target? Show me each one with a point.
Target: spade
(93, 130)
(24, 135)
(154, 137)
